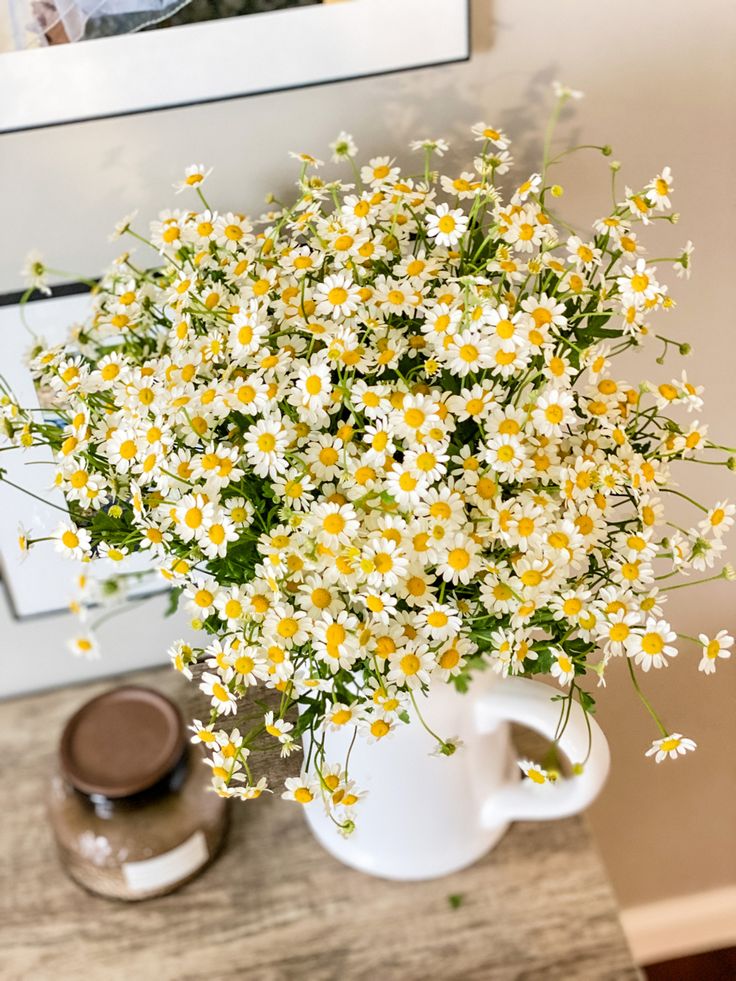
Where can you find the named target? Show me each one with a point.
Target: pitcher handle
(530, 704)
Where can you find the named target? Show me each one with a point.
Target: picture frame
(235, 57)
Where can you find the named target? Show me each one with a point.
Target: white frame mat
(229, 58)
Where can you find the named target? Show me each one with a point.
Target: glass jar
(131, 806)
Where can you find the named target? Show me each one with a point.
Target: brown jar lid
(122, 742)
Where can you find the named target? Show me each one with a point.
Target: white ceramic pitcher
(426, 816)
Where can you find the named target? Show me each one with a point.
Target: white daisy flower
(534, 772)
(194, 176)
(215, 686)
(671, 746)
(563, 668)
(411, 667)
(337, 296)
(84, 645)
(652, 647)
(713, 649)
(302, 789)
(447, 226)
(72, 541)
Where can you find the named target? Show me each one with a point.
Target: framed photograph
(43, 581)
(64, 61)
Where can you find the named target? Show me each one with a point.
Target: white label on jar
(170, 867)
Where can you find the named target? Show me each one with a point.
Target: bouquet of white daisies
(375, 442)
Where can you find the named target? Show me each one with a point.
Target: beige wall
(659, 79)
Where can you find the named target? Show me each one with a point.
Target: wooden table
(276, 907)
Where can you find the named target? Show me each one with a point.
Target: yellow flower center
(558, 539)
(287, 627)
(266, 442)
(335, 634)
(193, 518)
(458, 559)
(652, 644)
(505, 329)
(379, 729)
(619, 632)
(244, 664)
(127, 449)
(217, 534)
(333, 524)
(70, 539)
(414, 418)
(233, 609)
(320, 598)
(383, 562)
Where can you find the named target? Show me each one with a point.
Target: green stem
(644, 700)
(695, 582)
(23, 490)
(422, 720)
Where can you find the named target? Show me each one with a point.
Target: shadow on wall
(448, 102)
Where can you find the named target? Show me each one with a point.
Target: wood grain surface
(276, 907)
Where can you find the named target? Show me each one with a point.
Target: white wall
(34, 655)
(659, 79)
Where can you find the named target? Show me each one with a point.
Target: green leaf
(455, 900)
(173, 603)
(461, 683)
(542, 665)
(586, 701)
